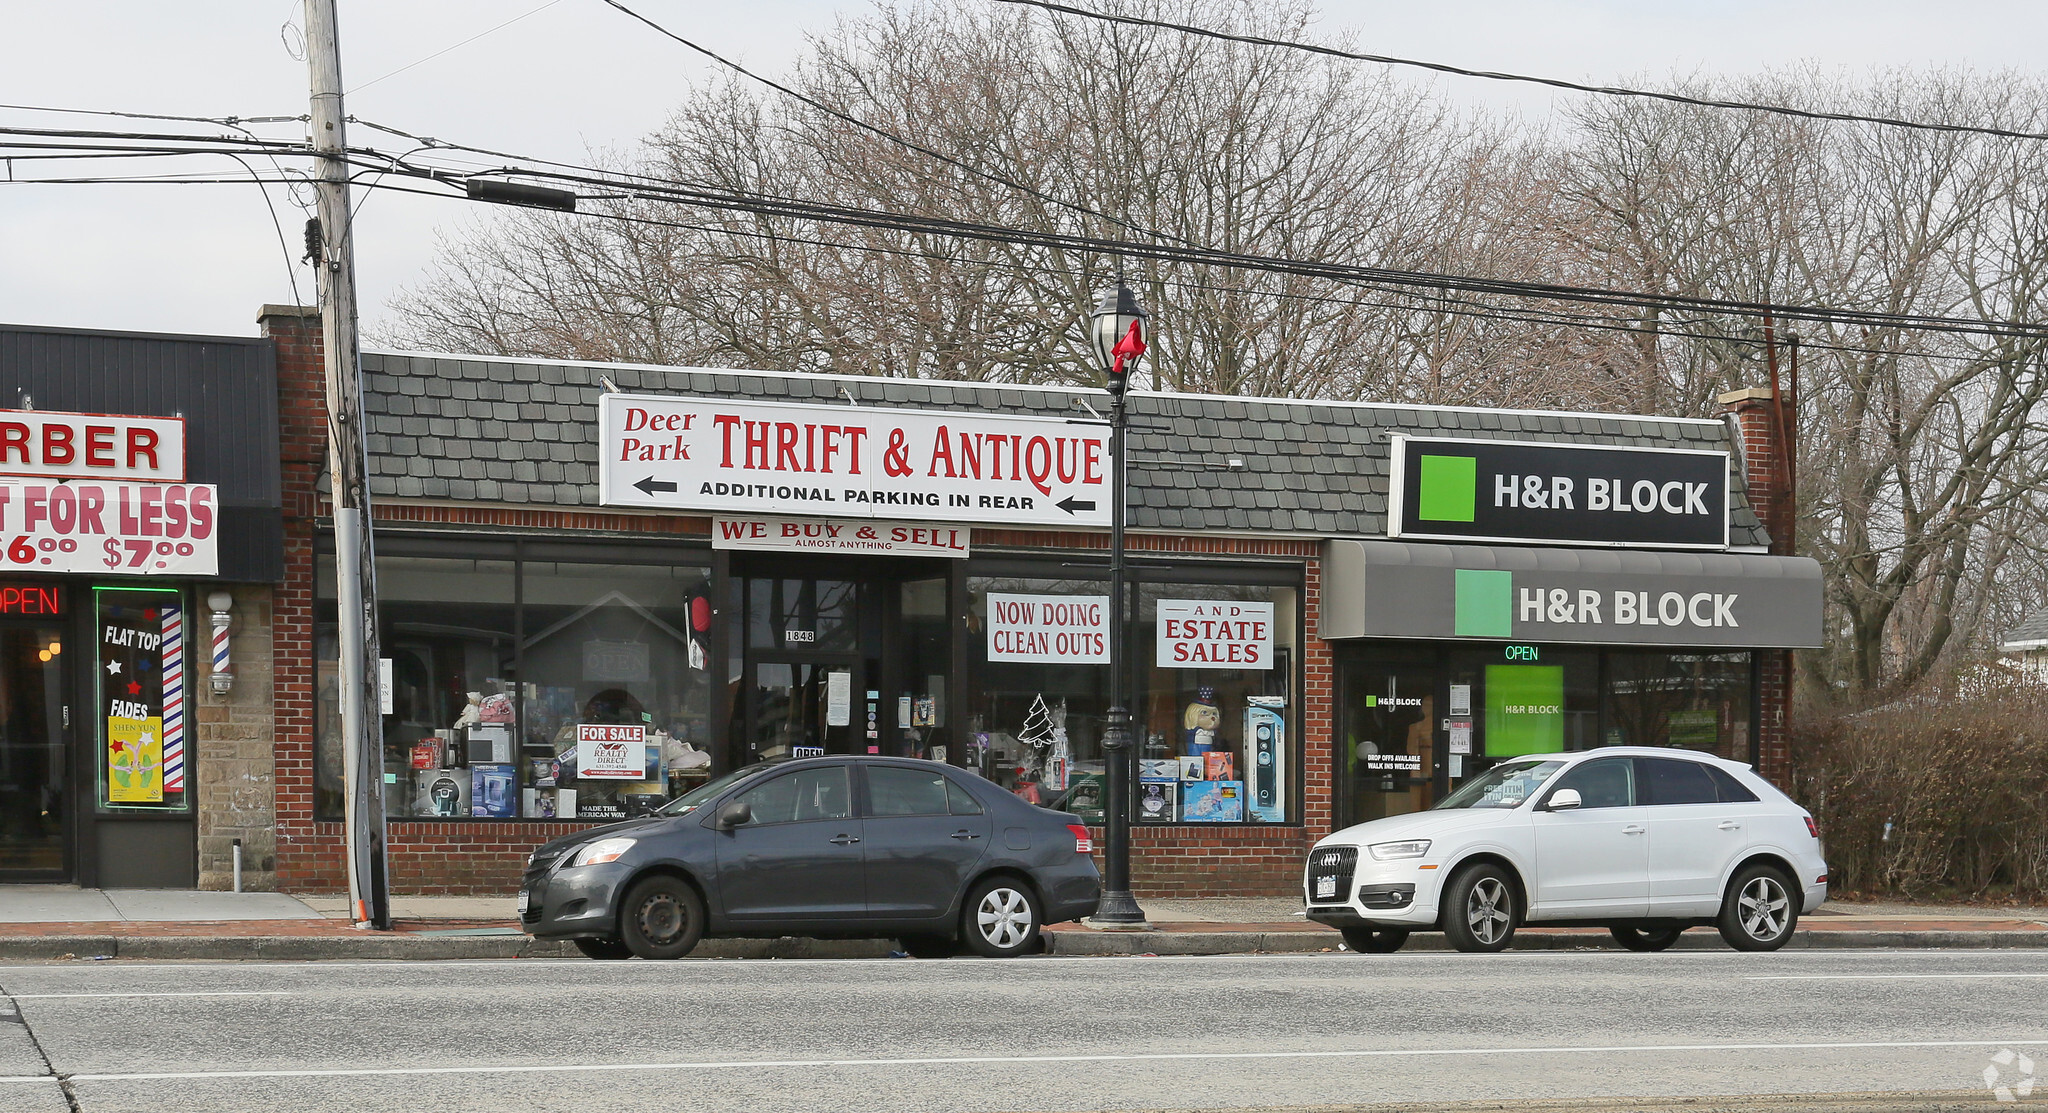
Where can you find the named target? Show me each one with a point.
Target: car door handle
(842, 840)
(1633, 829)
(965, 835)
(1730, 825)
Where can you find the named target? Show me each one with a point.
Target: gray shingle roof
(512, 431)
(2033, 629)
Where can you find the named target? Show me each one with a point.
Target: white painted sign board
(133, 529)
(1214, 634)
(839, 461)
(1048, 629)
(98, 446)
(840, 535)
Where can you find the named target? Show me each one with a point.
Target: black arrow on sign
(1071, 505)
(650, 485)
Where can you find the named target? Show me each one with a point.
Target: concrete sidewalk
(44, 923)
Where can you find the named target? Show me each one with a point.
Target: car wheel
(1001, 919)
(603, 948)
(663, 917)
(929, 946)
(1645, 939)
(1479, 909)
(1759, 911)
(1374, 941)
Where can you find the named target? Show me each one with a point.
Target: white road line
(1006, 1060)
(189, 993)
(1879, 977)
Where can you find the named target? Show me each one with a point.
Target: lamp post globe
(1117, 331)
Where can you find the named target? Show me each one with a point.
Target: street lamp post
(1117, 329)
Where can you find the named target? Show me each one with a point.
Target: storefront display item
(1190, 768)
(441, 793)
(1219, 765)
(1212, 802)
(490, 745)
(493, 792)
(1199, 723)
(1265, 773)
(426, 754)
(1159, 769)
(1157, 801)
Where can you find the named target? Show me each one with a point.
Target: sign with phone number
(132, 529)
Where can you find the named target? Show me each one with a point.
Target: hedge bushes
(1961, 778)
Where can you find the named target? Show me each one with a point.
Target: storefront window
(142, 717)
(1696, 701)
(501, 668)
(1212, 699)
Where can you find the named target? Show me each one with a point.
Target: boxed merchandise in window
(441, 792)
(490, 745)
(1218, 765)
(1212, 802)
(493, 791)
(1157, 801)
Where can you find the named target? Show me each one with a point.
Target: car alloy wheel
(662, 917)
(1479, 908)
(1002, 919)
(1759, 912)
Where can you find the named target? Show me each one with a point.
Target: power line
(457, 46)
(1552, 82)
(892, 137)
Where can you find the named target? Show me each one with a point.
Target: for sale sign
(611, 752)
(1214, 634)
(1048, 629)
(847, 462)
(167, 529)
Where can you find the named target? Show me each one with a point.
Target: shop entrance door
(804, 706)
(1388, 738)
(35, 783)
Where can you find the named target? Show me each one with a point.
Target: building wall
(236, 738)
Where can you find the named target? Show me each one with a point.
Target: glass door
(804, 707)
(34, 770)
(1388, 732)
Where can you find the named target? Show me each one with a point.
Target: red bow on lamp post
(1130, 347)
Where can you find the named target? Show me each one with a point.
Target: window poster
(141, 672)
(1524, 709)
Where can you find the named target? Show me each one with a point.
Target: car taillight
(1082, 843)
(1812, 828)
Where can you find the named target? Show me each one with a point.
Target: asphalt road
(1239, 1033)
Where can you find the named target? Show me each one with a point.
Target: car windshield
(1504, 786)
(690, 801)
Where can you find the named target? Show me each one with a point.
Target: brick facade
(236, 744)
(1767, 472)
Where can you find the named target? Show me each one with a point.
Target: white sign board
(138, 529)
(838, 461)
(1214, 634)
(827, 535)
(1048, 629)
(838, 698)
(607, 752)
(96, 446)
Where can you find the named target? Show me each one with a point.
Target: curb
(370, 946)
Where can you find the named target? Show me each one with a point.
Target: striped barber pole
(174, 698)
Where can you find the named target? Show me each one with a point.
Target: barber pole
(174, 699)
(223, 672)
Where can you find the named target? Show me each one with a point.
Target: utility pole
(354, 567)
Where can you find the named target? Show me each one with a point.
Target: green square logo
(1449, 488)
(1483, 604)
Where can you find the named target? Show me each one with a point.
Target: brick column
(1766, 473)
(237, 743)
(306, 862)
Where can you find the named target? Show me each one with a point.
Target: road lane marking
(186, 993)
(1879, 977)
(1011, 1060)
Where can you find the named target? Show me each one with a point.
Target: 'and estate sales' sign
(98, 446)
(1476, 490)
(124, 528)
(1048, 629)
(1214, 634)
(815, 535)
(847, 462)
(611, 752)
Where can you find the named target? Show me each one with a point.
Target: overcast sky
(577, 75)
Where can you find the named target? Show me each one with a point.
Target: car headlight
(1388, 851)
(601, 851)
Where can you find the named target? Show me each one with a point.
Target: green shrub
(1962, 778)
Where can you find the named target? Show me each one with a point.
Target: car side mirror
(735, 814)
(1563, 800)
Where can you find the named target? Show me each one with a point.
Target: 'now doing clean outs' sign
(1477, 490)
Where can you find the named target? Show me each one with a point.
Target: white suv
(1644, 842)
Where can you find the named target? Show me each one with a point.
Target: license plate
(1326, 887)
(522, 902)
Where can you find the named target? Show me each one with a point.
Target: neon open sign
(29, 599)
(1524, 653)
